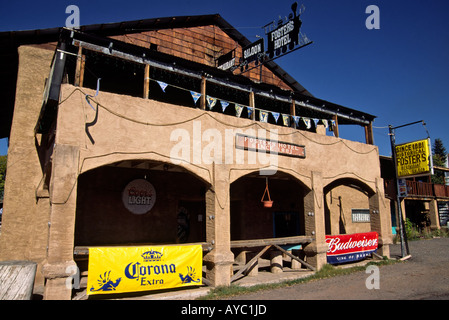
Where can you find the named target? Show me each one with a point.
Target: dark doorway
(285, 224)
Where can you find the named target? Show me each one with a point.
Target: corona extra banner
(133, 269)
(351, 247)
(414, 158)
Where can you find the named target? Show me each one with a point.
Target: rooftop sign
(282, 37)
(285, 36)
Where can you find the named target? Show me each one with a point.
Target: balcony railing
(426, 189)
(441, 191)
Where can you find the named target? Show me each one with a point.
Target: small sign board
(253, 52)
(136, 269)
(269, 146)
(443, 212)
(226, 61)
(402, 188)
(351, 247)
(139, 196)
(414, 158)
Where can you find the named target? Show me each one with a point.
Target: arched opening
(103, 217)
(251, 220)
(347, 207)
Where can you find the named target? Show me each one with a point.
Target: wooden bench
(17, 280)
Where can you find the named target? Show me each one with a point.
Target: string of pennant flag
(263, 114)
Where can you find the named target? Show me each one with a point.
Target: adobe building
(168, 130)
(426, 204)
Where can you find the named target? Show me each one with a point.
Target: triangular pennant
(316, 122)
(275, 115)
(224, 105)
(211, 102)
(195, 96)
(296, 119)
(286, 120)
(238, 110)
(324, 121)
(163, 85)
(250, 112)
(307, 122)
(263, 115)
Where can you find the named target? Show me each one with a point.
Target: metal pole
(404, 245)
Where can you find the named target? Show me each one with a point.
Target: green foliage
(411, 230)
(439, 154)
(413, 233)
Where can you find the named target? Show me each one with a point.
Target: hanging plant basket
(266, 203)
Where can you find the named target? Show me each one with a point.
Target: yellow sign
(413, 158)
(133, 269)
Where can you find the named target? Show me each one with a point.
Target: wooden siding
(201, 44)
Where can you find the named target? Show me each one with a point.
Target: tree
(2, 174)
(439, 155)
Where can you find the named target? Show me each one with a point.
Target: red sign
(269, 146)
(350, 247)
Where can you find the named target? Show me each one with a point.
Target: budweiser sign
(350, 247)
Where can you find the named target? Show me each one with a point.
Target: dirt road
(424, 276)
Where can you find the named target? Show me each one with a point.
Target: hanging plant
(266, 203)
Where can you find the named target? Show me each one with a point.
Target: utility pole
(404, 245)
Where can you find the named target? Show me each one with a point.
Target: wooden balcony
(426, 189)
(441, 191)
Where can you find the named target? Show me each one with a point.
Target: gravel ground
(425, 276)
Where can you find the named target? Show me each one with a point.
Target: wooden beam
(82, 68)
(335, 128)
(146, 82)
(271, 241)
(79, 69)
(369, 133)
(252, 104)
(293, 112)
(296, 258)
(203, 93)
(249, 264)
(84, 250)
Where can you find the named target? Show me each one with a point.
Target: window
(360, 215)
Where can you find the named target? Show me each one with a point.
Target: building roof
(11, 40)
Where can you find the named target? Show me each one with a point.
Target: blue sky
(399, 73)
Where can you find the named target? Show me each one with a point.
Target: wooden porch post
(146, 82)
(369, 133)
(79, 70)
(252, 104)
(293, 112)
(203, 93)
(335, 128)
